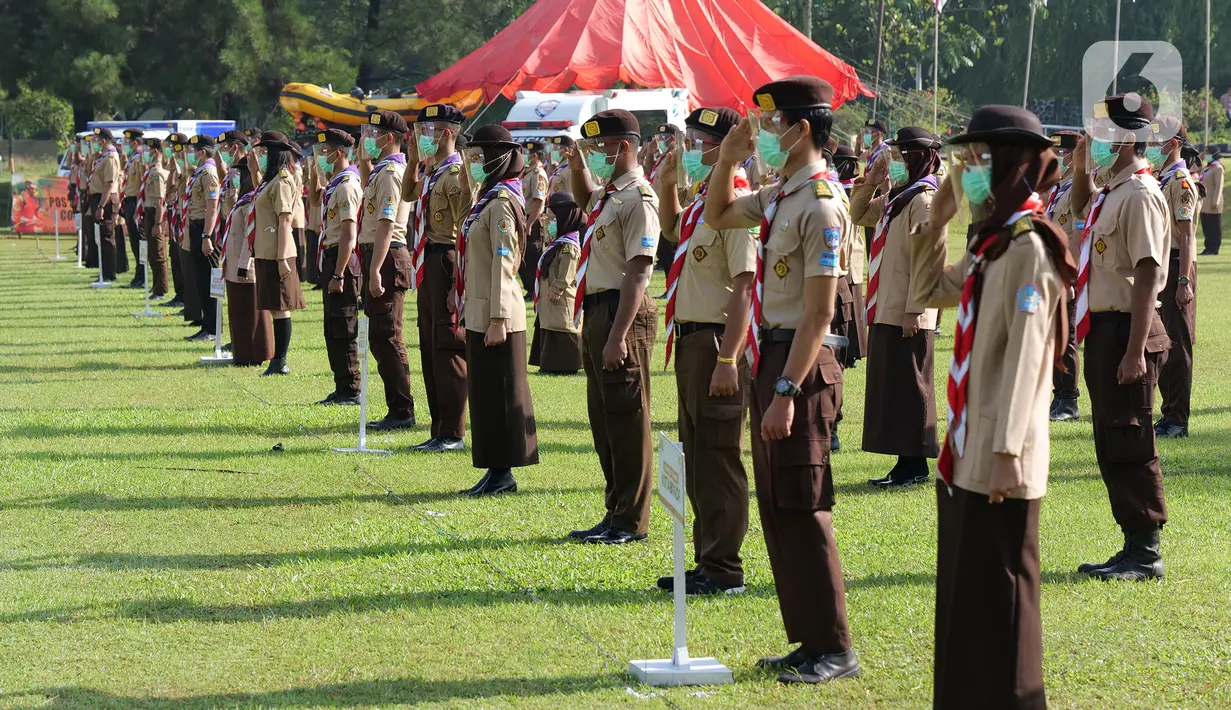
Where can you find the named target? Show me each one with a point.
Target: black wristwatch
(1183, 281)
(335, 277)
(783, 387)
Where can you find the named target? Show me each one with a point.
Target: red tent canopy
(720, 50)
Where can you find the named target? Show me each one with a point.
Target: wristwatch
(783, 387)
(335, 277)
(1183, 281)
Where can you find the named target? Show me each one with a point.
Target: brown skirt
(555, 352)
(989, 634)
(502, 429)
(899, 413)
(252, 333)
(858, 349)
(274, 293)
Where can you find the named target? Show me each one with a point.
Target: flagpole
(1115, 54)
(880, 42)
(936, 67)
(1029, 53)
(1207, 73)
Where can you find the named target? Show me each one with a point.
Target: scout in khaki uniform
(252, 337)
(134, 153)
(385, 263)
(534, 189)
(232, 150)
(556, 346)
(173, 158)
(872, 142)
(709, 292)
(204, 188)
(1061, 210)
(277, 280)
(1012, 284)
(442, 197)
(152, 197)
(1179, 306)
(1213, 176)
(621, 322)
(797, 381)
(341, 202)
(899, 415)
(558, 180)
(191, 294)
(103, 190)
(1123, 266)
(494, 312)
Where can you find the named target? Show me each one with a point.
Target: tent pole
(880, 42)
(1034, 6)
(1207, 96)
(936, 70)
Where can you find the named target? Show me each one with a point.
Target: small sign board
(217, 288)
(671, 492)
(363, 336)
(143, 252)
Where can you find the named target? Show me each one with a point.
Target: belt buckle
(679, 330)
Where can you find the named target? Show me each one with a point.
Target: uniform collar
(1128, 171)
(627, 179)
(804, 174)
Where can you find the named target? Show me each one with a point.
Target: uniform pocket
(1129, 438)
(622, 390)
(446, 338)
(722, 423)
(803, 487)
(343, 325)
(380, 317)
(401, 266)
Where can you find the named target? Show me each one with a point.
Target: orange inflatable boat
(316, 107)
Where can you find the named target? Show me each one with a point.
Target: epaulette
(284, 173)
(646, 192)
(1020, 227)
(455, 169)
(822, 189)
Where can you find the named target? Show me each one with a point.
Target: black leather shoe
(834, 444)
(823, 668)
(478, 486)
(346, 401)
(277, 366)
(390, 423)
(902, 481)
(424, 445)
(328, 400)
(1092, 567)
(583, 534)
(200, 336)
(440, 445)
(880, 481)
(615, 536)
(174, 303)
(1167, 430)
(498, 481)
(1064, 410)
(227, 348)
(702, 586)
(794, 659)
(1141, 560)
(667, 584)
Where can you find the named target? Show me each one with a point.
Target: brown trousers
(989, 634)
(1123, 432)
(712, 431)
(128, 210)
(191, 294)
(618, 402)
(341, 324)
(794, 484)
(1211, 230)
(106, 231)
(154, 231)
(1064, 384)
(442, 350)
(1175, 378)
(385, 327)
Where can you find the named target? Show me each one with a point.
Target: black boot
(499, 480)
(473, 490)
(1092, 567)
(1141, 560)
(277, 366)
(282, 343)
(1064, 410)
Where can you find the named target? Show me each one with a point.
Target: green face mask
(167, 152)
(225, 158)
(428, 146)
(977, 183)
(370, 147)
(235, 182)
(555, 155)
(262, 161)
(897, 172)
(1102, 154)
(477, 172)
(1154, 154)
(322, 162)
(128, 150)
(867, 140)
(693, 167)
(597, 162)
(770, 151)
(192, 159)
(552, 229)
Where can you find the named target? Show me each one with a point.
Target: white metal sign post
(217, 289)
(143, 255)
(98, 249)
(679, 669)
(80, 239)
(363, 394)
(55, 218)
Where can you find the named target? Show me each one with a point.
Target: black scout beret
(614, 123)
(877, 125)
(562, 140)
(332, 136)
(440, 112)
(389, 121)
(535, 146)
(915, 138)
(1129, 111)
(133, 133)
(716, 122)
(200, 142)
(240, 137)
(103, 133)
(154, 143)
(794, 92)
(668, 129)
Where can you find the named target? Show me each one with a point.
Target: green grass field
(157, 552)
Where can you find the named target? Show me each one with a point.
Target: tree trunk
(806, 19)
(365, 79)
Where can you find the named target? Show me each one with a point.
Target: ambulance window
(650, 121)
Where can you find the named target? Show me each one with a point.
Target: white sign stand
(363, 394)
(679, 669)
(80, 239)
(55, 212)
(98, 246)
(217, 289)
(144, 257)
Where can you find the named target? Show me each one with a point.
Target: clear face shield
(695, 150)
(769, 127)
(975, 181)
(600, 155)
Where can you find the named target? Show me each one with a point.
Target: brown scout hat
(332, 136)
(103, 133)
(877, 125)
(613, 123)
(716, 122)
(133, 133)
(915, 138)
(389, 121)
(275, 139)
(235, 136)
(794, 92)
(494, 136)
(1004, 125)
(440, 113)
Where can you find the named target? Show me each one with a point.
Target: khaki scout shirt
(713, 261)
(1131, 226)
(156, 186)
(106, 176)
(625, 229)
(344, 206)
(560, 278)
(856, 256)
(132, 177)
(809, 228)
(298, 219)
(559, 180)
(1183, 201)
(893, 290)
(534, 185)
(492, 258)
(205, 188)
(1071, 222)
(239, 254)
(1008, 392)
(230, 193)
(382, 202)
(448, 205)
(1212, 177)
(277, 198)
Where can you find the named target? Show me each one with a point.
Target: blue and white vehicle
(540, 116)
(153, 129)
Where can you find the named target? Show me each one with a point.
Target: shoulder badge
(1021, 226)
(1028, 299)
(823, 189)
(1062, 219)
(645, 191)
(455, 190)
(455, 169)
(283, 173)
(833, 237)
(504, 225)
(1184, 183)
(699, 253)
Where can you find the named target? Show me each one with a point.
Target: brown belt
(682, 329)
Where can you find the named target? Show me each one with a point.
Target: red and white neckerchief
(584, 261)
(331, 188)
(873, 156)
(419, 233)
(572, 238)
(99, 160)
(692, 217)
(658, 163)
(141, 195)
(963, 345)
(758, 286)
(848, 185)
(1054, 196)
(1083, 264)
(192, 182)
(512, 187)
(878, 241)
(225, 235)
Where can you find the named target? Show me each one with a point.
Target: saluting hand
(572, 155)
(739, 144)
(1132, 368)
(1079, 155)
(668, 172)
(776, 425)
(1006, 477)
(879, 172)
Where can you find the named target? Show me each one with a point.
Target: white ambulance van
(539, 116)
